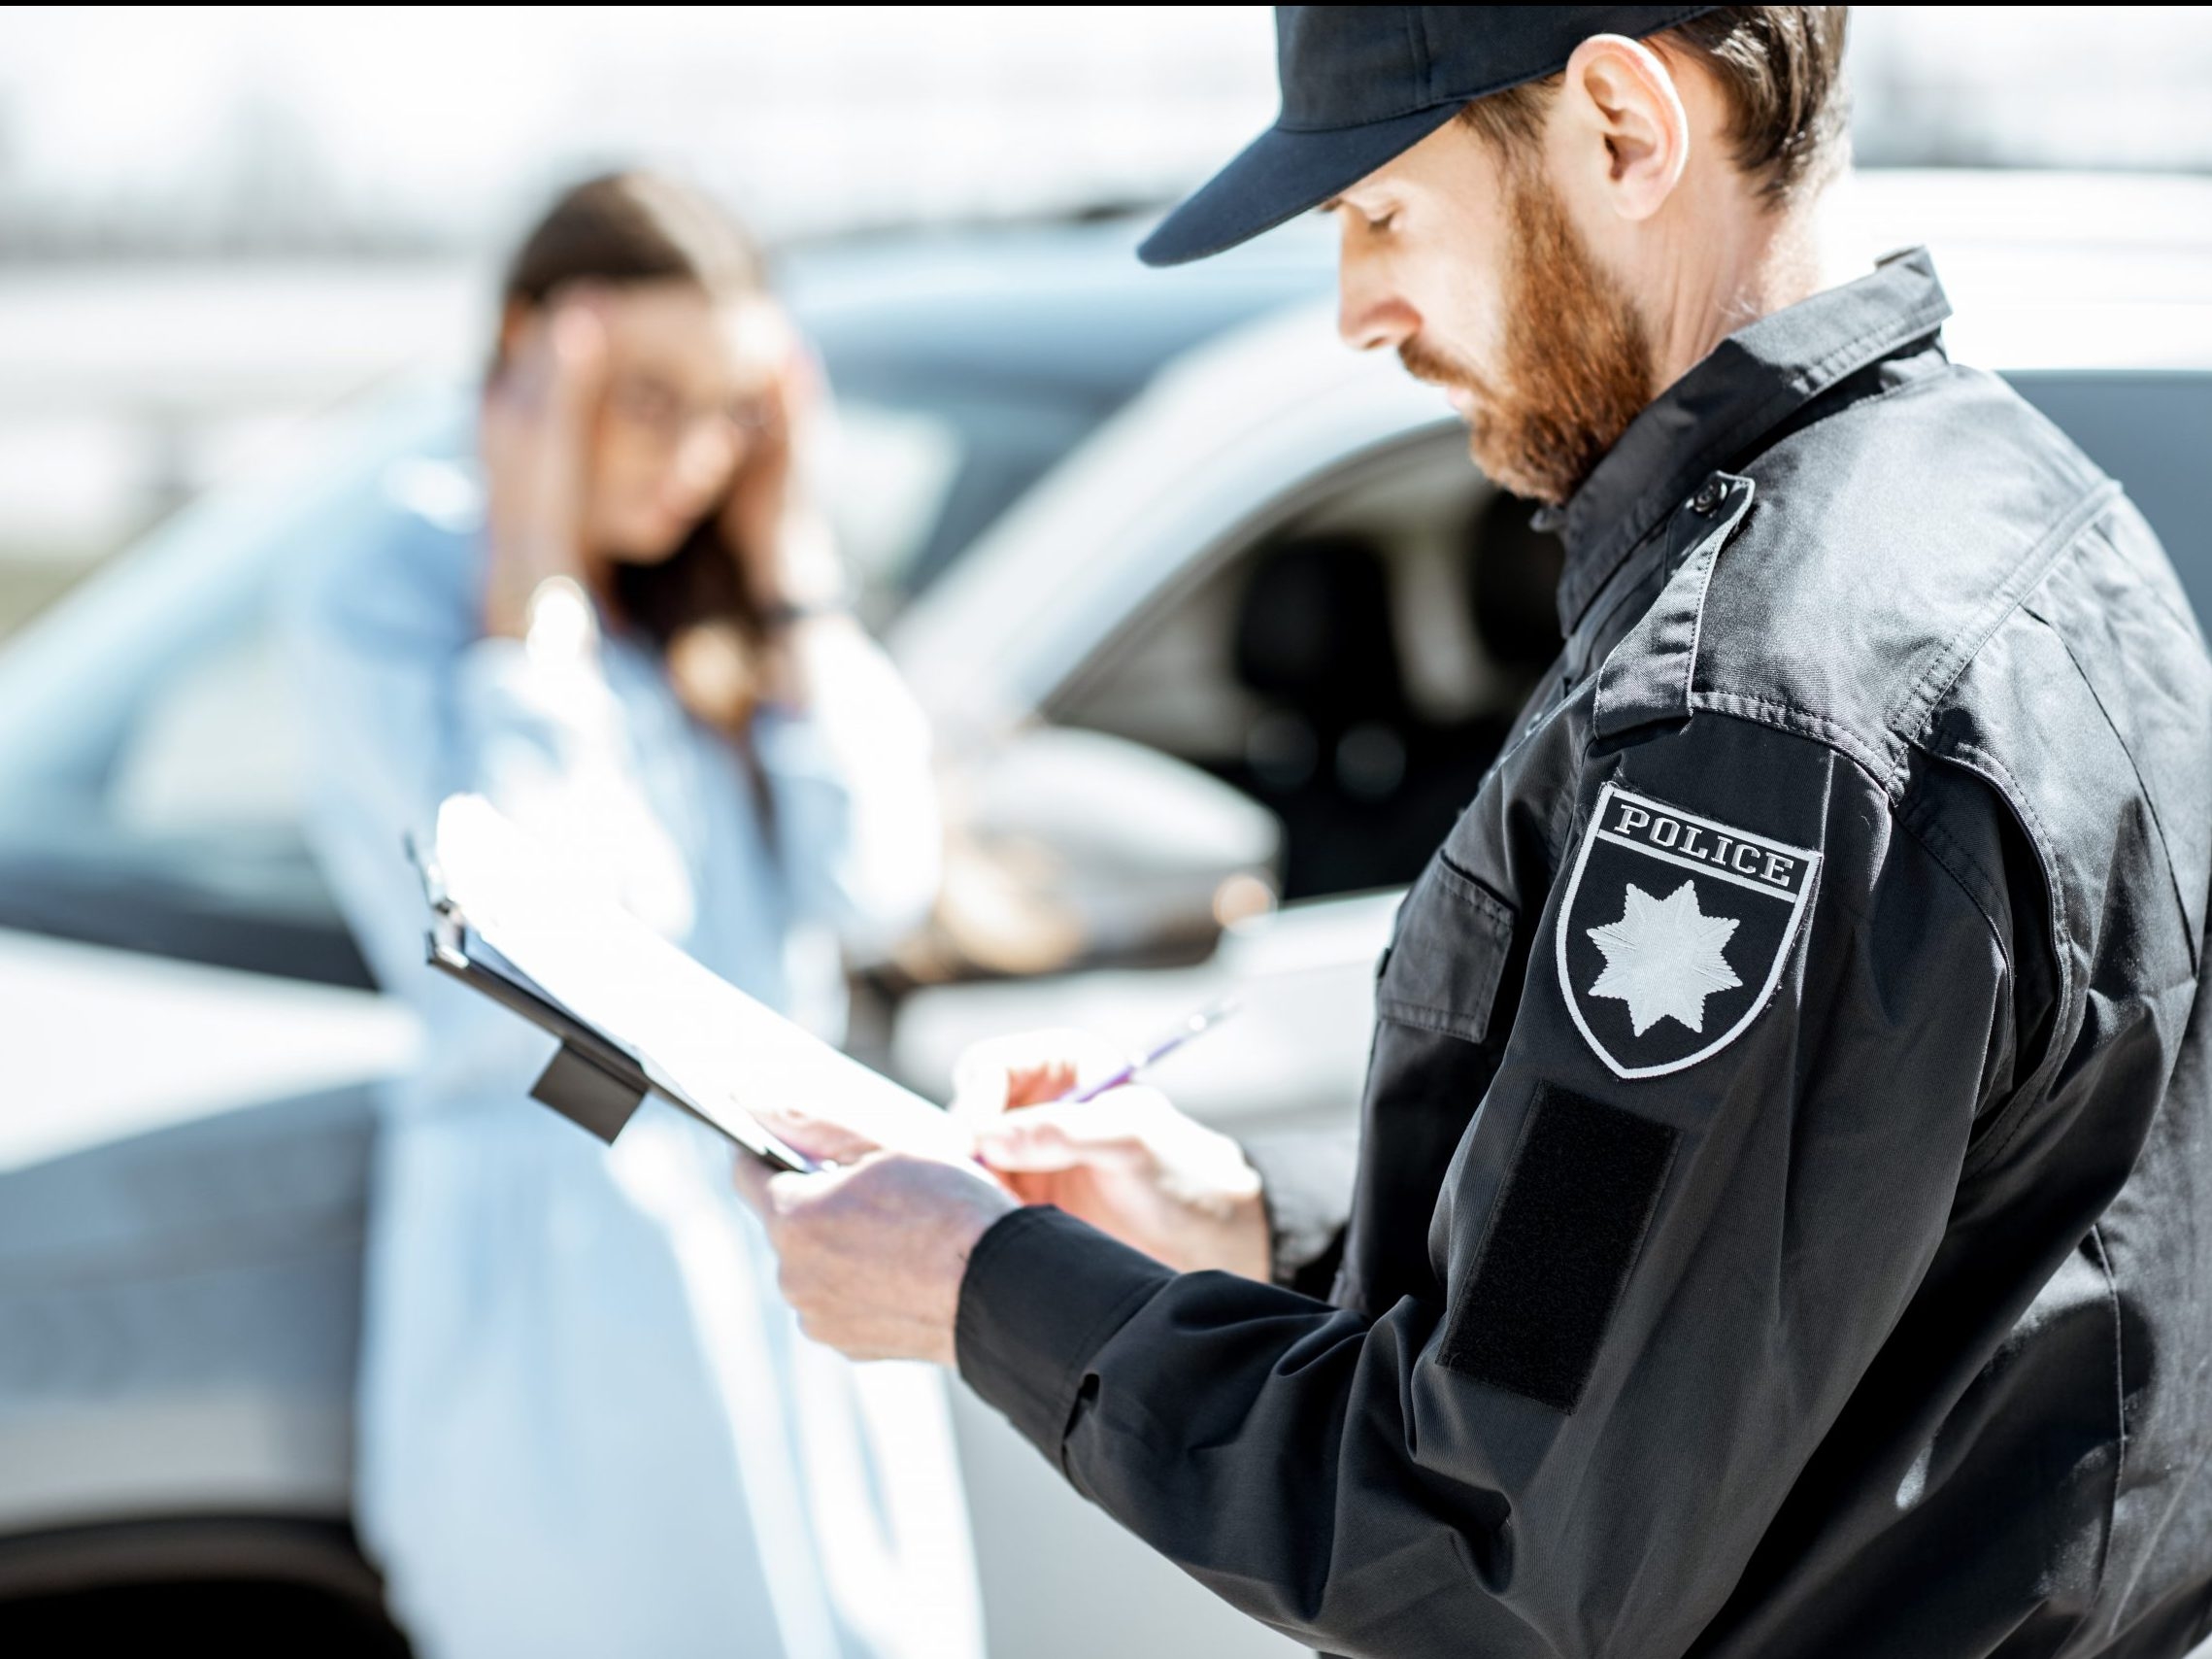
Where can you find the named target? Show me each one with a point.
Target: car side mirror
(1068, 846)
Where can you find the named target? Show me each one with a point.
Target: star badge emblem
(1657, 984)
(1664, 958)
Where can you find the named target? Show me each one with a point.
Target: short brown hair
(1781, 70)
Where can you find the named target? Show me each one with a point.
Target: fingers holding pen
(1027, 1071)
(1116, 1130)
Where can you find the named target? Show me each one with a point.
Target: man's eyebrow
(1331, 206)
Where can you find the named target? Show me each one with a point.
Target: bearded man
(1783, 1218)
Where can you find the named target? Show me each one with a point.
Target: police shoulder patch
(1674, 932)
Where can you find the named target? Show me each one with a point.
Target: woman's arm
(853, 802)
(842, 747)
(409, 703)
(435, 660)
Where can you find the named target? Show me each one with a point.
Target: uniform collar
(1738, 393)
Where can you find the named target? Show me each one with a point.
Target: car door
(184, 1141)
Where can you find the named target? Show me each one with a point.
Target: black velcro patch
(1578, 1198)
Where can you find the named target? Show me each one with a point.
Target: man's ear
(1628, 133)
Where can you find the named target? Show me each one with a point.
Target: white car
(1238, 634)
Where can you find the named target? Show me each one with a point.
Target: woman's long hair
(641, 228)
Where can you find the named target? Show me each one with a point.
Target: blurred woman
(587, 1423)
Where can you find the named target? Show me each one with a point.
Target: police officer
(1781, 1222)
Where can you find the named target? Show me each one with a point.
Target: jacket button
(1707, 498)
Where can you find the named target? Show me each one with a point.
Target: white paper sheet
(721, 1051)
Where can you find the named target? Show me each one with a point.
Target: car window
(895, 469)
(151, 751)
(923, 469)
(216, 751)
(1354, 667)
(187, 842)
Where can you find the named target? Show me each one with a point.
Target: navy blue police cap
(1363, 83)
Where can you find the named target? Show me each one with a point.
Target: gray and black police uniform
(1783, 1215)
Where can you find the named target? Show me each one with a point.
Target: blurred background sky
(215, 223)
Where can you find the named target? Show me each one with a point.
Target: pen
(1193, 1025)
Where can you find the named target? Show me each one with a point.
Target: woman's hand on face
(782, 543)
(535, 437)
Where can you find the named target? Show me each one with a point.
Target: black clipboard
(592, 1080)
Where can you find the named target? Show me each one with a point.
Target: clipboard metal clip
(586, 1093)
(582, 1087)
(448, 928)
(590, 1080)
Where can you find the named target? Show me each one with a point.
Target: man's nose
(1370, 315)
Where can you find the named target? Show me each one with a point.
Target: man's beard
(1575, 368)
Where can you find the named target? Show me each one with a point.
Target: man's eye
(1377, 227)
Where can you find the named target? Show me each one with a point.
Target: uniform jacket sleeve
(1653, 1294)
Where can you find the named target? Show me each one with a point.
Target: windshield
(917, 480)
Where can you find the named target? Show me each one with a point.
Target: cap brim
(1280, 175)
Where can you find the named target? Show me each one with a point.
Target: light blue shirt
(589, 1425)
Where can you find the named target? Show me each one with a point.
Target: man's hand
(872, 1251)
(1129, 1163)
